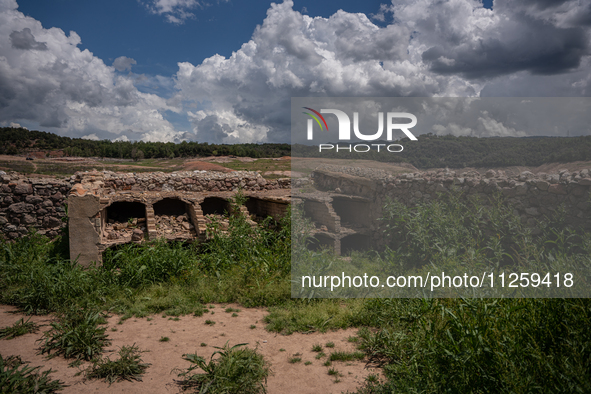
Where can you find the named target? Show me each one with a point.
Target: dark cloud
(24, 39)
(526, 44)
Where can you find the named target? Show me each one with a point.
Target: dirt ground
(204, 166)
(187, 336)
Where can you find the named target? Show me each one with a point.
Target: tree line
(21, 141)
(430, 151)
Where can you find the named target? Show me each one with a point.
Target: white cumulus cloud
(46, 79)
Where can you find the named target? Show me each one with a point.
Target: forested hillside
(19, 141)
(428, 152)
(457, 152)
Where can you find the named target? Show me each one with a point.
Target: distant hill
(22, 141)
(430, 151)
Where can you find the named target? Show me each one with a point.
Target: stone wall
(350, 200)
(531, 195)
(31, 203)
(190, 181)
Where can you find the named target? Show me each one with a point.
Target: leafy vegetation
(19, 328)
(432, 151)
(17, 376)
(17, 140)
(426, 345)
(236, 369)
(76, 335)
(128, 366)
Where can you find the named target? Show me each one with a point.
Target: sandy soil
(186, 336)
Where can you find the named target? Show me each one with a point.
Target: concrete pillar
(84, 238)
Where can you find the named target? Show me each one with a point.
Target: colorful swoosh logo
(315, 118)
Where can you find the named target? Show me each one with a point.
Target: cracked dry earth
(187, 336)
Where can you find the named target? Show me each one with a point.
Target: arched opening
(355, 242)
(170, 207)
(123, 211)
(353, 213)
(215, 205)
(122, 219)
(173, 219)
(320, 241)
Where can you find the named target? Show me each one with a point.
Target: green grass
(333, 372)
(128, 366)
(76, 335)
(19, 328)
(329, 344)
(235, 369)
(346, 356)
(164, 339)
(317, 348)
(295, 360)
(437, 345)
(17, 376)
(209, 322)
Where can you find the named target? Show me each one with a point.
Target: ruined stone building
(106, 209)
(347, 202)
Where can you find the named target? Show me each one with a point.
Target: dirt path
(187, 336)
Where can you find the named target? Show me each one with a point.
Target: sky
(225, 71)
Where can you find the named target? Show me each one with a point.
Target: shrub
(19, 328)
(17, 377)
(128, 366)
(76, 335)
(236, 370)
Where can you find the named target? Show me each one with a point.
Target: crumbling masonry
(107, 209)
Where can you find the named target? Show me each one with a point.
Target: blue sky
(224, 71)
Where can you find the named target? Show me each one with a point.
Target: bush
(19, 328)
(129, 366)
(236, 370)
(76, 335)
(25, 379)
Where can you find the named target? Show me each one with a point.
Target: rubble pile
(133, 229)
(174, 226)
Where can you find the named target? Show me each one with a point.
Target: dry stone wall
(531, 195)
(190, 181)
(31, 203)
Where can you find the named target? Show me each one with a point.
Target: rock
(525, 175)
(51, 222)
(47, 203)
(542, 185)
(33, 199)
(490, 174)
(137, 235)
(557, 189)
(57, 197)
(28, 219)
(521, 189)
(21, 207)
(23, 188)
